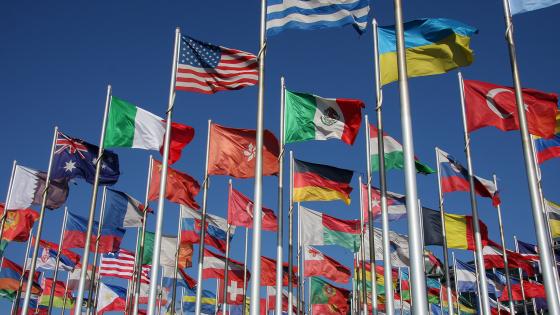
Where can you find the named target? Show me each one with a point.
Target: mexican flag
(328, 299)
(321, 229)
(310, 117)
(394, 158)
(130, 126)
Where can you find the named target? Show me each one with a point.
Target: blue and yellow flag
(433, 46)
(208, 303)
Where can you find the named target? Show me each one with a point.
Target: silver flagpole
(483, 283)
(163, 179)
(417, 277)
(455, 280)
(504, 250)
(226, 267)
(198, 304)
(65, 294)
(93, 204)
(400, 290)
(132, 281)
(160, 293)
(20, 286)
(279, 241)
(140, 251)
(5, 213)
(389, 298)
(257, 199)
(182, 297)
(57, 261)
(444, 235)
(363, 252)
(216, 303)
(95, 270)
(291, 237)
(354, 308)
(298, 257)
(174, 290)
(545, 252)
(477, 274)
(245, 271)
(35, 251)
(525, 310)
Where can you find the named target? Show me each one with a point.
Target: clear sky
(56, 59)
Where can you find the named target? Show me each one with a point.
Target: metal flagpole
(455, 280)
(477, 275)
(160, 292)
(182, 299)
(65, 294)
(291, 237)
(20, 286)
(280, 235)
(483, 283)
(226, 265)
(389, 299)
(298, 257)
(444, 234)
(140, 251)
(545, 252)
(5, 212)
(520, 279)
(353, 304)
(417, 278)
(363, 252)
(35, 251)
(245, 271)
(163, 178)
(174, 290)
(203, 225)
(504, 250)
(400, 290)
(216, 302)
(132, 281)
(57, 262)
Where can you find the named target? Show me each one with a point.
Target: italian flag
(310, 117)
(130, 126)
(321, 229)
(394, 158)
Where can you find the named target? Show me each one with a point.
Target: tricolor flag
(317, 182)
(18, 223)
(216, 228)
(319, 264)
(311, 117)
(466, 279)
(396, 204)
(458, 229)
(181, 188)
(167, 251)
(528, 250)
(328, 299)
(75, 235)
(60, 294)
(47, 261)
(182, 278)
(553, 213)
(10, 275)
(215, 264)
(240, 212)
(121, 210)
(321, 229)
(549, 148)
(111, 298)
(28, 186)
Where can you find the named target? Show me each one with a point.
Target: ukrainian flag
(433, 46)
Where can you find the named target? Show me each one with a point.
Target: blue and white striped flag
(315, 14)
(522, 6)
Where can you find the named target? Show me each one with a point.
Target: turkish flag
(235, 292)
(268, 272)
(181, 135)
(488, 104)
(18, 224)
(233, 152)
(240, 212)
(181, 188)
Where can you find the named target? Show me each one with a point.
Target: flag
(121, 265)
(316, 182)
(529, 251)
(167, 251)
(458, 229)
(553, 212)
(182, 279)
(268, 272)
(466, 279)
(433, 46)
(321, 229)
(74, 157)
(271, 297)
(493, 258)
(328, 299)
(47, 261)
(232, 152)
(121, 210)
(522, 6)
(130, 126)
(59, 295)
(319, 264)
(532, 290)
(547, 149)
(235, 292)
(28, 186)
(10, 275)
(396, 204)
(399, 247)
(207, 68)
(315, 14)
(454, 177)
(208, 301)
(111, 298)
(240, 212)
(74, 278)
(68, 259)
(18, 223)
(75, 235)
(379, 278)
(181, 188)
(216, 229)
(214, 265)
(393, 151)
(494, 105)
(311, 117)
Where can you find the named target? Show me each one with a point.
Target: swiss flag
(235, 292)
(181, 188)
(240, 212)
(489, 104)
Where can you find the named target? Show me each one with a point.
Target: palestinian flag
(393, 150)
(321, 229)
(317, 182)
(310, 117)
(328, 299)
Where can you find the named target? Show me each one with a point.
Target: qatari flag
(240, 212)
(28, 186)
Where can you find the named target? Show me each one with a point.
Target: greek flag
(315, 14)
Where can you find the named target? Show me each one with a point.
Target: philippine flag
(111, 298)
(216, 228)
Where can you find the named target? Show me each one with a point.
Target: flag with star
(76, 158)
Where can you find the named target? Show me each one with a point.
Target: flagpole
(363, 252)
(353, 305)
(520, 279)
(35, 251)
(279, 240)
(245, 271)
(545, 253)
(177, 247)
(140, 254)
(57, 262)
(132, 281)
(160, 292)
(20, 286)
(8, 197)
(65, 293)
(291, 238)
(417, 278)
(298, 257)
(163, 178)
(483, 283)
(455, 282)
(216, 302)
(400, 289)
(203, 225)
(182, 298)
(444, 234)
(226, 265)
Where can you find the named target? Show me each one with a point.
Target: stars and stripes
(207, 68)
(121, 265)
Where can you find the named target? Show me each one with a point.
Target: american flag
(121, 265)
(207, 68)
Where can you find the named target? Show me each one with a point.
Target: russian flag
(216, 228)
(121, 210)
(75, 235)
(110, 298)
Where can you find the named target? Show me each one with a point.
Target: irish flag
(394, 158)
(310, 117)
(130, 126)
(321, 229)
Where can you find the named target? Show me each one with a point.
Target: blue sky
(57, 58)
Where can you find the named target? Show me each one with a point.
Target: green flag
(148, 248)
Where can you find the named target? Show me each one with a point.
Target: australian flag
(76, 158)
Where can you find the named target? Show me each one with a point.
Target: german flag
(316, 182)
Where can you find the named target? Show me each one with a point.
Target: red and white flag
(319, 264)
(121, 265)
(271, 298)
(240, 212)
(235, 292)
(214, 265)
